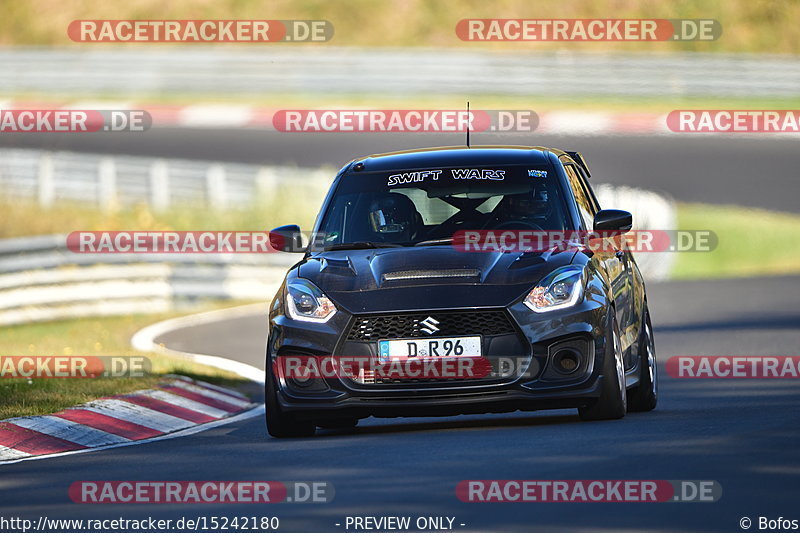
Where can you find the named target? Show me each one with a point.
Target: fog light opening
(566, 361)
(302, 377)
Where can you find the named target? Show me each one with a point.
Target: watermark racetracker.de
(200, 492)
(587, 490)
(200, 31)
(734, 367)
(638, 241)
(73, 366)
(404, 120)
(734, 121)
(588, 30)
(74, 120)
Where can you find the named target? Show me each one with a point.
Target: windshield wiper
(361, 245)
(435, 242)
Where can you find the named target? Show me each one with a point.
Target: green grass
(751, 242)
(22, 218)
(763, 26)
(89, 337)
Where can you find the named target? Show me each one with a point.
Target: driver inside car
(529, 210)
(393, 217)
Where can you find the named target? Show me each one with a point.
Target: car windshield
(425, 207)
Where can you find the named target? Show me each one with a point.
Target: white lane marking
(576, 123)
(208, 393)
(186, 403)
(206, 385)
(144, 338)
(7, 454)
(137, 414)
(214, 115)
(67, 430)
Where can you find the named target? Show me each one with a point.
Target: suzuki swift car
(391, 312)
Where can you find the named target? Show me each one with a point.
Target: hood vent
(431, 274)
(341, 264)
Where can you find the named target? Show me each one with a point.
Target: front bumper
(457, 403)
(535, 384)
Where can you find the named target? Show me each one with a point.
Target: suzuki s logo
(429, 325)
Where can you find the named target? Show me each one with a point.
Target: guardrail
(326, 70)
(108, 181)
(40, 279)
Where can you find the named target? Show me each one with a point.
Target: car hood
(434, 277)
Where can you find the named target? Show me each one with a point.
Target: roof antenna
(468, 123)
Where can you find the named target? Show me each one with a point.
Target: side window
(585, 205)
(584, 179)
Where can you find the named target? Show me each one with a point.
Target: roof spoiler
(578, 158)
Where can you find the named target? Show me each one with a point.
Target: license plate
(405, 349)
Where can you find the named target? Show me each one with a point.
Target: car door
(616, 262)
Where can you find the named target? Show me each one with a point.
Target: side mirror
(287, 238)
(613, 220)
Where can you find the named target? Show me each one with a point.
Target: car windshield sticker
(409, 177)
(537, 173)
(477, 174)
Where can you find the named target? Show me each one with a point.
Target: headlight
(559, 289)
(304, 301)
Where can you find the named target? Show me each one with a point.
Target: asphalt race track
(742, 433)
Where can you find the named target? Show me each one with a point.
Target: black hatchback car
(391, 313)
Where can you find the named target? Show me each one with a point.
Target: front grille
(449, 324)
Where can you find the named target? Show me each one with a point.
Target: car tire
(281, 425)
(644, 397)
(612, 402)
(338, 423)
